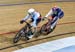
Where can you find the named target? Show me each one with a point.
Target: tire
(20, 34)
(43, 29)
(17, 37)
(51, 30)
(46, 29)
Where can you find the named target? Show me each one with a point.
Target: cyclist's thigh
(54, 20)
(38, 20)
(61, 14)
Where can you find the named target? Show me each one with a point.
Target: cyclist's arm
(49, 13)
(26, 17)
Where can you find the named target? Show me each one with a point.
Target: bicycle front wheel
(43, 29)
(20, 34)
(17, 37)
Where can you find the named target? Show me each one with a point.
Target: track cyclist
(35, 18)
(54, 15)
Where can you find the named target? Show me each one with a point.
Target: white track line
(50, 46)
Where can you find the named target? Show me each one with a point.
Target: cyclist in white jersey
(35, 19)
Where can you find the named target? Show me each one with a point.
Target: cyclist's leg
(35, 24)
(37, 28)
(54, 22)
(34, 28)
(38, 21)
(61, 14)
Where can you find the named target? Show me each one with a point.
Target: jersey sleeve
(49, 13)
(25, 18)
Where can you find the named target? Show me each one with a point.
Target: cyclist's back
(54, 14)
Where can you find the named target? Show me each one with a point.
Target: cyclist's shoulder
(37, 13)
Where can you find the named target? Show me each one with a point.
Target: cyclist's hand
(21, 22)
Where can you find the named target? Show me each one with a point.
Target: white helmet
(31, 10)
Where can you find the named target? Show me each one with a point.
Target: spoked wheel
(17, 37)
(20, 34)
(45, 29)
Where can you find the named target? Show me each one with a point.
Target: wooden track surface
(11, 15)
